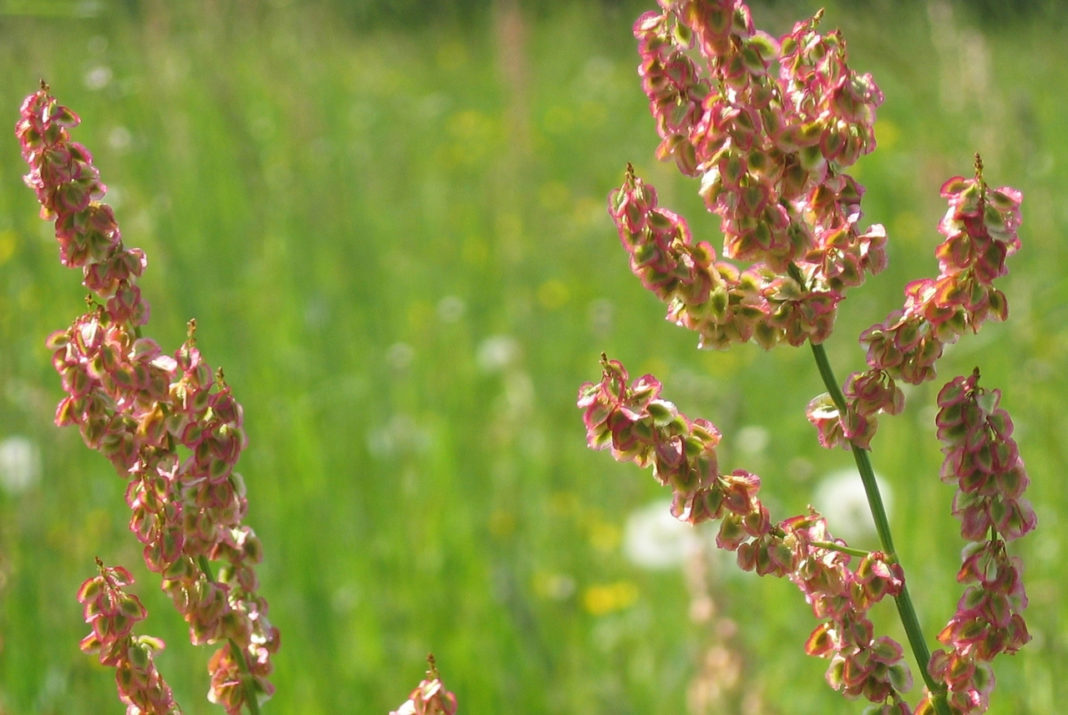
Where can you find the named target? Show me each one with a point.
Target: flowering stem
(867, 475)
(905, 609)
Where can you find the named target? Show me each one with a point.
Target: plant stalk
(905, 609)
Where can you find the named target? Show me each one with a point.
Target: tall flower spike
(169, 425)
(632, 420)
(69, 189)
(983, 461)
(980, 229)
(769, 128)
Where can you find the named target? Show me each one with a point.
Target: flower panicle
(980, 230)
(983, 461)
(168, 423)
(70, 192)
(632, 420)
(767, 126)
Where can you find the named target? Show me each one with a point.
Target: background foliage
(391, 228)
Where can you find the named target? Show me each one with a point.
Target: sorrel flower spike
(69, 189)
(981, 230)
(768, 126)
(984, 462)
(632, 420)
(169, 424)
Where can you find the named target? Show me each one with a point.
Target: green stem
(849, 550)
(906, 611)
(235, 649)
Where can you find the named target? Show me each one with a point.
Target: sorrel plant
(174, 432)
(172, 429)
(769, 127)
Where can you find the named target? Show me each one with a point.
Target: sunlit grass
(397, 248)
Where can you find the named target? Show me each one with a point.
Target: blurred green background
(389, 221)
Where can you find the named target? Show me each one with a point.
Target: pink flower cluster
(113, 613)
(713, 298)
(169, 424)
(862, 665)
(638, 426)
(980, 229)
(983, 461)
(429, 697)
(69, 190)
(768, 127)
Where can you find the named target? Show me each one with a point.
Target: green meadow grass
(396, 245)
